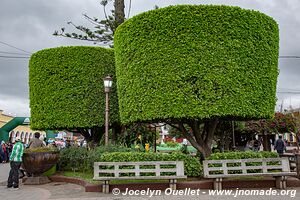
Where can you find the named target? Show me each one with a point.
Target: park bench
(274, 167)
(107, 171)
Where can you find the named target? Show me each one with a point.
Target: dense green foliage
(41, 149)
(198, 62)
(242, 155)
(192, 166)
(66, 87)
(80, 159)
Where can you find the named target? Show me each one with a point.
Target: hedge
(197, 61)
(242, 155)
(66, 87)
(79, 159)
(192, 166)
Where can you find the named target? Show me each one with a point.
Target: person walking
(279, 145)
(15, 164)
(256, 145)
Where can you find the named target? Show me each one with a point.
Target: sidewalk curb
(88, 186)
(200, 184)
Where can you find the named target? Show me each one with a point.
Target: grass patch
(85, 176)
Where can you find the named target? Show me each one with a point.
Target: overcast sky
(29, 25)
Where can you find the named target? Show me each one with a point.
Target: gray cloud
(29, 24)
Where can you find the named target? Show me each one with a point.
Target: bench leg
(172, 184)
(281, 182)
(105, 187)
(284, 178)
(218, 184)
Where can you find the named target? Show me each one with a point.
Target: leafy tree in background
(197, 66)
(280, 123)
(283, 123)
(103, 30)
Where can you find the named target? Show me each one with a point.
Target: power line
(289, 57)
(14, 47)
(13, 53)
(289, 92)
(13, 57)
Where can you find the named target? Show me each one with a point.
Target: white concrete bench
(274, 167)
(107, 171)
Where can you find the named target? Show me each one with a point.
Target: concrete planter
(36, 163)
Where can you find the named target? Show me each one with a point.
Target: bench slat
(134, 171)
(244, 160)
(139, 178)
(283, 165)
(136, 163)
(251, 174)
(115, 172)
(244, 168)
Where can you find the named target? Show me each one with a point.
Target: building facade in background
(23, 131)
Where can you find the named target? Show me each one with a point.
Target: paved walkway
(66, 191)
(4, 169)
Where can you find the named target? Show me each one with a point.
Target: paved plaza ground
(66, 191)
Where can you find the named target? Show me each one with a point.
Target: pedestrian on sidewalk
(15, 164)
(279, 145)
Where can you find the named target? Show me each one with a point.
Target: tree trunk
(266, 142)
(119, 12)
(116, 130)
(201, 140)
(225, 141)
(92, 135)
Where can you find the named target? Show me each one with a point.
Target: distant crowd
(5, 151)
(39, 141)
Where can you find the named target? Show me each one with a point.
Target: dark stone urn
(36, 163)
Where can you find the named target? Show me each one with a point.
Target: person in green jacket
(15, 164)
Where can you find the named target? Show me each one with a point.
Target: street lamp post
(107, 85)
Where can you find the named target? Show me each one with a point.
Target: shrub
(41, 149)
(172, 144)
(242, 155)
(94, 155)
(192, 166)
(73, 158)
(197, 61)
(80, 159)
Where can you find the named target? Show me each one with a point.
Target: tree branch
(129, 9)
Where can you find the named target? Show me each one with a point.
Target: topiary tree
(197, 65)
(66, 89)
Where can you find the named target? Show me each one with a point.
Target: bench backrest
(138, 170)
(235, 167)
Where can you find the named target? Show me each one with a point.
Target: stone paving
(66, 191)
